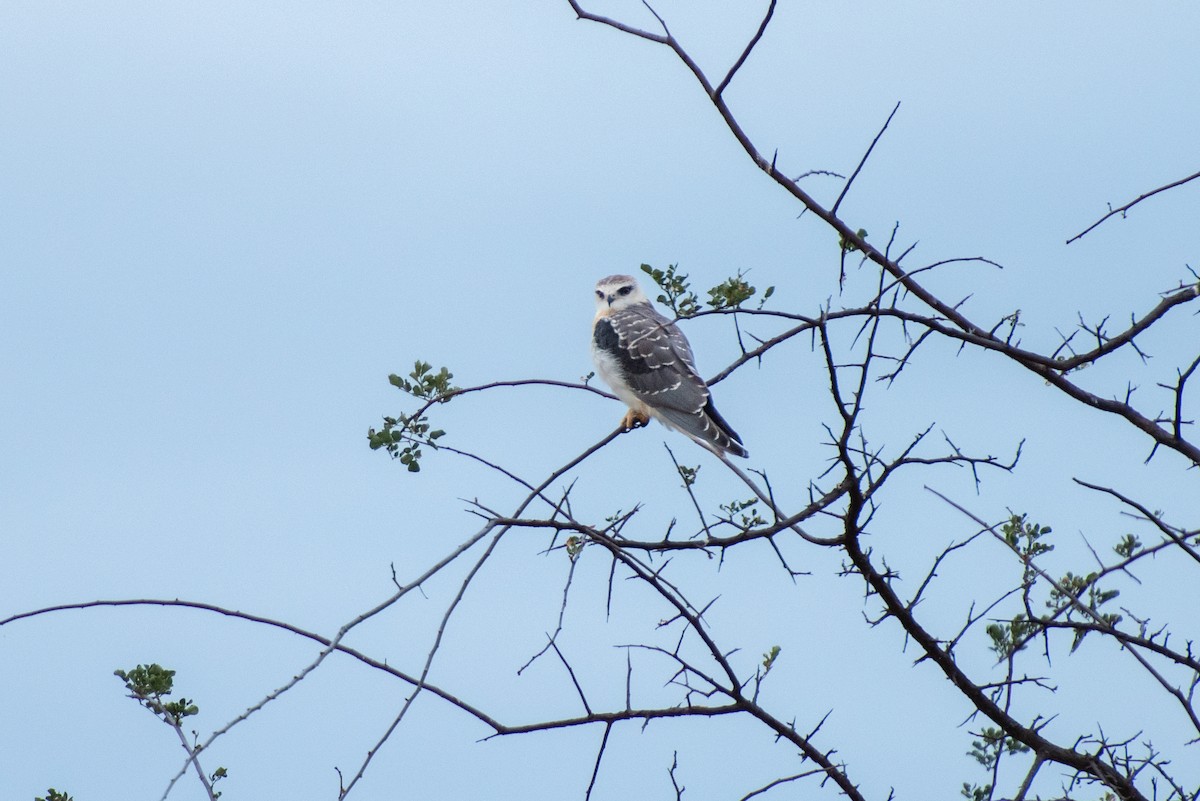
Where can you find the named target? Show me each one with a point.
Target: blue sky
(224, 225)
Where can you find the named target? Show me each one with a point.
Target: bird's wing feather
(658, 362)
(706, 426)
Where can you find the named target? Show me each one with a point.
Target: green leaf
(730, 293)
(688, 474)
(54, 795)
(769, 659)
(676, 292)
(847, 245)
(1128, 546)
(148, 680)
(574, 546)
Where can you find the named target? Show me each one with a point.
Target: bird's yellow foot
(634, 419)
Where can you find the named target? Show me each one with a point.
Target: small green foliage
(145, 681)
(1074, 586)
(688, 474)
(149, 684)
(987, 750)
(1107, 618)
(54, 795)
(1072, 592)
(677, 296)
(180, 709)
(769, 659)
(1010, 637)
(402, 436)
(975, 792)
(217, 775)
(1069, 587)
(1128, 546)
(422, 382)
(733, 292)
(848, 246)
(1024, 537)
(574, 546)
(747, 510)
(991, 744)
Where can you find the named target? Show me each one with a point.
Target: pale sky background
(222, 225)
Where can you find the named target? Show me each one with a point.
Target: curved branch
(325, 642)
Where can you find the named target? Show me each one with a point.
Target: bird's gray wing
(659, 367)
(657, 360)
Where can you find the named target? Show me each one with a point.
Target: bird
(648, 362)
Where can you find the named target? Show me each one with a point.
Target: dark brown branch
(1128, 640)
(1026, 735)
(599, 757)
(762, 27)
(1122, 209)
(615, 717)
(266, 621)
(845, 189)
(733, 690)
(1174, 536)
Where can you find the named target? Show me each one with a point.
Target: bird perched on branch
(648, 362)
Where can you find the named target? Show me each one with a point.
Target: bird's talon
(634, 420)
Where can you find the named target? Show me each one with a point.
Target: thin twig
(1122, 209)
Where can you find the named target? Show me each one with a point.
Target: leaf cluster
(1010, 636)
(149, 684)
(848, 246)
(1073, 590)
(769, 659)
(679, 298)
(423, 383)
(734, 291)
(991, 745)
(1027, 539)
(403, 435)
(746, 510)
(676, 290)
(54, 795)
(688, 474)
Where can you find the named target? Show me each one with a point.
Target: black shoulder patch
(607, 340)
(604, 336)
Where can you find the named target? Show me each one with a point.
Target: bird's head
(618, 292)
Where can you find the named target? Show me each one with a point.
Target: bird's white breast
(609, 370)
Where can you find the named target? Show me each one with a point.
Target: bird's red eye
(625, 290)
(599, 294)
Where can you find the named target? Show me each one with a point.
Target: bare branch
(842, 195)
(1123, 209)
(746, 52)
